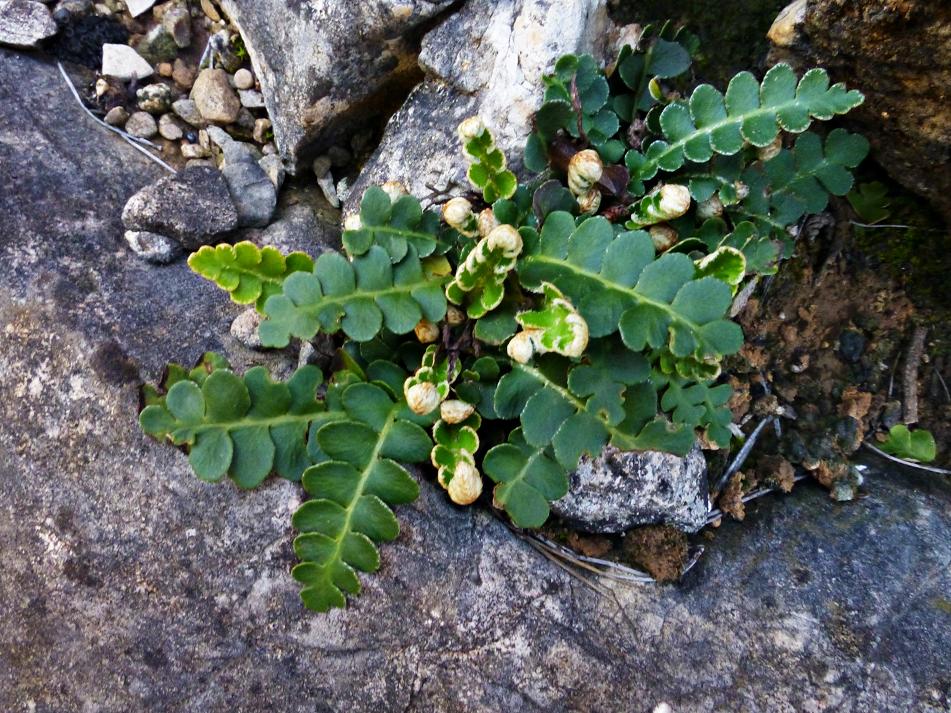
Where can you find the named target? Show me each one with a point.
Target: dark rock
(487, 59)
(851, 345)
(80, 39)
(316, 79)
(620, 489)
(193, 206)
(129, 585)
(24, 23)
(897, 53)
(253, 193)
(178, 24)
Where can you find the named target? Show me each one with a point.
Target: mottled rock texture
(898, 52)
(324, 64)
(487, 59)
(619, 489)
(128, 585)
(193, 206)
(24, 23)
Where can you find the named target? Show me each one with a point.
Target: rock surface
(317, 81)
(619, 490)
(128, 585)
(193, 206)
(488, 59)
(25, 23)
(898, 53)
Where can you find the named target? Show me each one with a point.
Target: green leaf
(712, 123)
(352, 493)
(618, 286)
(917, 446)
(359, 297)
(870, 201)
(487, 170)
(393, 225)
(527, 478)
(799, 181)
(250, 274)
(245, 427)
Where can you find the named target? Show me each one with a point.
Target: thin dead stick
(910, 374)
(742, 455)
(891, 377)
(901, 227)
(133, 141)
(947, 394)
(902, 461)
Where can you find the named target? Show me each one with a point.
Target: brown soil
(659, 549)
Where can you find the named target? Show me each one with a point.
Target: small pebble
(169, 128)
(154, 98)
(116, 116)
(183, 73)
(206, 162)
(261, 127)
(243, 79)
(187, 110)
(321, 166)
(195, 151)
(244, 328)
(269, 149)
(164, 69)
(274, 168)
(851, 345)
(153, 247)
(251, 98)
(142, 125)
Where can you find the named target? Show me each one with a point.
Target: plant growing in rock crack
(586, 307)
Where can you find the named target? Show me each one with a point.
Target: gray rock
(316, 79)
(141, 124)
(178, 24)
(194, 151)
(214, 97)
(170, 128)
(274, 168)
(298, 226)
(116, 116)
(252, 191)
(187, 111)
(24, 23)
(157, 46)
(251, 98)
(123, 62)
(244, 328)
(153, 247)
(154, 98)
(193, 206)
(114, 552)
(487, 59)
(619, 490)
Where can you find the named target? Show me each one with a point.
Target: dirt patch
(659, 549)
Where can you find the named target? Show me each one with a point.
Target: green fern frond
(617, 285)
(711, 123)
(243, 426)
(393, 224)
(352, 493)
(250, 274)
(360, 297)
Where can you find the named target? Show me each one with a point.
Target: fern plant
(589, 306)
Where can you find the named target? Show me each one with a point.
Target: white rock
(137, 7)
(123, 62)
(251, 98)
(153, 247)
(243, 79)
